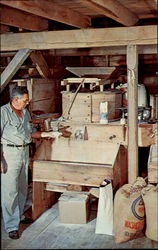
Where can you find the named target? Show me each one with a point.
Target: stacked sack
(150, 198)
(136, 211)
(129, 211)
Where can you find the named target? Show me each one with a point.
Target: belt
(17, 146)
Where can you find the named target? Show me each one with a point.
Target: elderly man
(16, 135)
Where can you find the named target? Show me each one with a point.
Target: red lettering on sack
(134, 225)
(141, 209)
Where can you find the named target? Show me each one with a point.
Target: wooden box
(86, 106)
(74, 208)
(153, 164)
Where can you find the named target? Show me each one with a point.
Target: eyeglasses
(24, 100)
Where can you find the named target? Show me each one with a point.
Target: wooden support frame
(83, 38)
(13, 67)
(114, 10)
(50, 10)
(132, 74)
(42, 199)
(17, 18)
(41, 64)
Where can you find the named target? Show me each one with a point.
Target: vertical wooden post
(41, 199)
(132, 76)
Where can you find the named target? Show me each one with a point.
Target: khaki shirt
(15, 130)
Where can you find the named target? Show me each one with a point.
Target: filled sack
(104, 222)
(129, 211)
(150, 198)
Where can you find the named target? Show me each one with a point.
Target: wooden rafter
(41, 64)
(152, 4)
(13, 67)
(114, 10)
(21, 19)
(4, 28)
(84, 38)
(51, 11)
(102, 51)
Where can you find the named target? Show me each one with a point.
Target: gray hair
(18, 91)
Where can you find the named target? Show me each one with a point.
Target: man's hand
(51, 134)
(3, 168)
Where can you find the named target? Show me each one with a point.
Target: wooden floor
(48, 233)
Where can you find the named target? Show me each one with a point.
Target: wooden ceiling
(94, 30)
(47, 15)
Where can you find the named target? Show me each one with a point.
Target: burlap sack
(129, 211)
(150, 197)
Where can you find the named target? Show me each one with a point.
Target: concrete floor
(47, 232)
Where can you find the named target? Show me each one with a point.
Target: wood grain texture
(52, 11)
(21, 19)
(84, 38)
(153, 164)
(13, 66)
(83, 151)
(41, 64)
(86, 107)
(132, 66)
(114, 10)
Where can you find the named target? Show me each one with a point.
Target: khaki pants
(14, 185)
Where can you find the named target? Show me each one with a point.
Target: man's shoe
(26, 221)
(14, 235)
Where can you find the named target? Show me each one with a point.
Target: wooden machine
(88, 152)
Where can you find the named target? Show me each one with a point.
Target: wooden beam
(21, 19)
(152, 4)
(50, 10)
(132, 75)
(84, 38)
(113, 9)
(102, 51)
(4, 28)
(13, 67)
(42, 66)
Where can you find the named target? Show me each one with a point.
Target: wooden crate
(153, 164)
(86, 106)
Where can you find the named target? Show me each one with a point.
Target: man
(16, 135)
